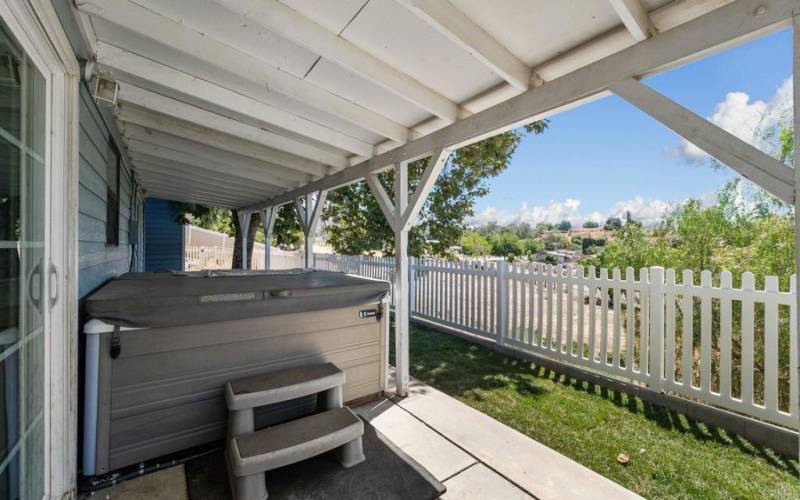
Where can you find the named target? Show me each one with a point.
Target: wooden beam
(387, 207)
(130, 67)
(794, 399)
(182, 197)
(292, 25)
(464, 32)
(429, 176)
(282, 175)
(143, 98)
(192, 131)
(211, 42)
(268, 216)
(734, 23)
(635, 18)
(750, 162)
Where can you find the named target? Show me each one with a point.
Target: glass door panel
(23, 92)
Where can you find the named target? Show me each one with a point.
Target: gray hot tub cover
(152, 300)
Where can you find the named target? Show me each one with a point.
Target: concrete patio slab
(542, 472)
(167, 484)
(440, 457)
(478, 483)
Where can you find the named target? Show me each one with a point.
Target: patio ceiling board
(188, 112)
(189, 194)
(130, 67)
(191, 131)
(292, 25)
(227, 181)
(734, 23)
(283, 176)
(215, 42)
(461, 30)
(139, 147)
(219, 188)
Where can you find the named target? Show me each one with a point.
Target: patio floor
(475, 456)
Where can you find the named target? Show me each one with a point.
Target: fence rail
(729, 346)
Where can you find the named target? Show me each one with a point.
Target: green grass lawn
(670, 456)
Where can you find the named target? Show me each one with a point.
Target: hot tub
(160, 347)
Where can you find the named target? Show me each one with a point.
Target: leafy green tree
(475, 244)
(530, 247)
(504, 244)
(613, 223)
(590, 224)
(354, 223)
(564, 226)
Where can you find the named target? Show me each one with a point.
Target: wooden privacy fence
(731, 344)
(201, 258)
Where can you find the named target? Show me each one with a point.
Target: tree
(530, 247)
(474, 244)
(613, 224)
(504, 244)
(590, 224)
(354, 223)
(564, 226)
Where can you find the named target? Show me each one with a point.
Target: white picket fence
(731, 347)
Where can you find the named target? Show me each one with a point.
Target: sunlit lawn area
(670, 456)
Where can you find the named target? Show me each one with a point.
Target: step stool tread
(293, 441)
(282, 385)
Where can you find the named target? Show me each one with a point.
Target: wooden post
(268, 221)
(401, 312)
(244, 228)
(796, 161)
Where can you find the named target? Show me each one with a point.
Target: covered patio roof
(238, 103)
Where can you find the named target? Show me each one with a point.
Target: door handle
(36, 271)
(53, 276)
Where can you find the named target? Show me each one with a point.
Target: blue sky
(608, 156)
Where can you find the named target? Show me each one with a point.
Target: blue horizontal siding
(163, 237)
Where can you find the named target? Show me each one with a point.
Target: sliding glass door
(23, 271)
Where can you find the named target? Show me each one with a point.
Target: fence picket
(581, 311)
(687, 347)
(705, 333)
(748, 325)
(617, 297)
(770, 344)
(725, 340)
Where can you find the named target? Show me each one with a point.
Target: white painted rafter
(287, 177)
(143, 98)
(463, 31)
(208, 137)
(130, 67)
(196, 41)
(292, 25)
(139, 147)
(750, 162)
(225, 181)
(635, 18)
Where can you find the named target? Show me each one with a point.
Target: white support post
(401, 313)
(268, 216)
(244, 228)
(309, 215)
(796, 160)
(656, 346)
(401, 216)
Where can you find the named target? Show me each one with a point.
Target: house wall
(163, 241)
(99, 262)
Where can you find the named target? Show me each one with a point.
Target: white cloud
(649, 212)
(753, 122)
